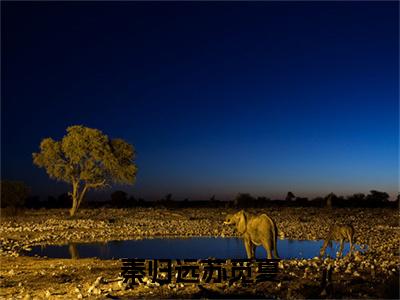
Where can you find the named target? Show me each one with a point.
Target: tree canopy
(87, 159)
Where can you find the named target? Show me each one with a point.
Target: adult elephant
(255, 231)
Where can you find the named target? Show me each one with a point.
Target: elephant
(255, 231)
(338, 233)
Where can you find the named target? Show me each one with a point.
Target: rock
(98, 281)
(122, 285)
(90, 290)
(171, 286)
(96, 291)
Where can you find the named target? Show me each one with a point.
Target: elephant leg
(321, 252)
(351, 244)
(268, 249)
(276, 250)
(341, 248)
(253, 251)
(247, 244)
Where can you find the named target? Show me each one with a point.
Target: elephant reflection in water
(73, 251)
(255, 231)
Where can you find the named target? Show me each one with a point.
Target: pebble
(381, 257)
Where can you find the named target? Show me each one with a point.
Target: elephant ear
(242, 224)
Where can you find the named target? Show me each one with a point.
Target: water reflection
(73, 251)
(182, 248)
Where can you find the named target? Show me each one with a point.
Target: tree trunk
(77, 198)
(75, 202)
(80, 198)
(74, 208)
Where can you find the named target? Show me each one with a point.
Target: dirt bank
(373, 274)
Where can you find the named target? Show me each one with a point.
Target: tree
(167, 198)
(87, 159)
(290, 196)
(329, 200)
(244, 200)
(377, 198)
(356, 199)
(13, 193)
(263, 201)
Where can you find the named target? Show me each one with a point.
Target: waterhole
(181, 248)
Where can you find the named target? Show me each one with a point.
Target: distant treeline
(16, 195)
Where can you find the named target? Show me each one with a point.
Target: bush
(13, 196)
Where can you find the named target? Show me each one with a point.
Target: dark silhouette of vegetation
(120, 199)
(243, 200)
(300, 201)
(64, 200)
(87, 159)
(13, 195)
(33, 202)
(376, 196)
(329, 200)
(290, 196)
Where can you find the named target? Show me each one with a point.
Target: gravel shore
(373, 274)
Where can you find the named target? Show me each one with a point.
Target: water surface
(178, 248)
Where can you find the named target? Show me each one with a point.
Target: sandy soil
(373, 274)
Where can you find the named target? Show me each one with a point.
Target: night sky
(217, 98)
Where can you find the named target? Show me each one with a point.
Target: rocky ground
(373, 274)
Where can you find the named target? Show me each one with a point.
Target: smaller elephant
(255, 231)
(338, 233)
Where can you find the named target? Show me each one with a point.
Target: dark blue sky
(217, 98)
